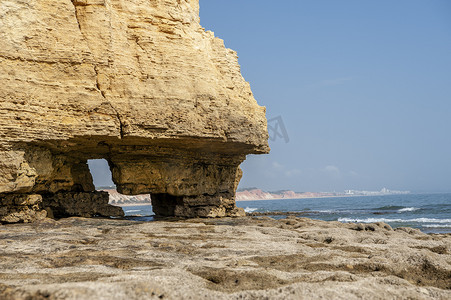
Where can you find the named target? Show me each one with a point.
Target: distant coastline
(118, 199)
(258, 194)
(251, 194)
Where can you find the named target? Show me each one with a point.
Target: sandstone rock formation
(139, 83)
(239, 258)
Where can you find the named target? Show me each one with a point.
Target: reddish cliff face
(141, 85)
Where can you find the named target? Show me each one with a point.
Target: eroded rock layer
(139, 83)
(239, 258)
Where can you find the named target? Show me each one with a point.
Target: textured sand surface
(241, 258)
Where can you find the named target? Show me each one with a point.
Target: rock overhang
(143, 86)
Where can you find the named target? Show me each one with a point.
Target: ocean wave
(407, 209)
(328, 211)
(339, 211)
(389, 207)
(250, 209)
(132, 211)
(386, 220)
(438, 226)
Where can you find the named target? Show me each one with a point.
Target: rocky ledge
(239, 258)
(138, 83)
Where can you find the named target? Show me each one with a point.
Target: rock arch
(143, 86)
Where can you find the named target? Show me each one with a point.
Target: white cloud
(276, 165)
(280, 170)
(332, 171)
(353, 173)
(293, 172)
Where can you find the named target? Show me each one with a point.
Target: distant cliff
(251, 194)
(258, 194)
(243, 195)
(120, 199)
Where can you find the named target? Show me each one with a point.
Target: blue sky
(363, 88)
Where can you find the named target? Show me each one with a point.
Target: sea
(431, 213)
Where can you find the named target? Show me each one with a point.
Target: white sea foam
(438, 226)
(374, 220)
(250, 209)
(133, 210)
(408, 209)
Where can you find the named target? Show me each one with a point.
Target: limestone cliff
(139, 83)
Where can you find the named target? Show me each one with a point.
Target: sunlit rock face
(138, 83)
